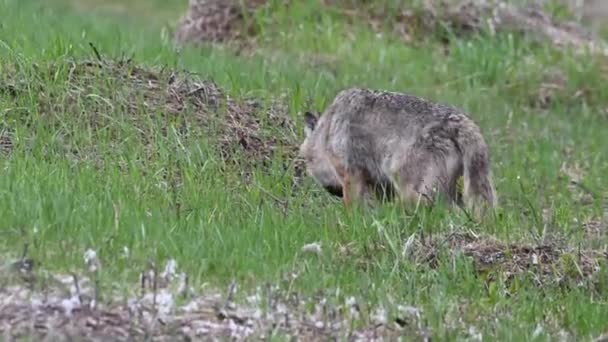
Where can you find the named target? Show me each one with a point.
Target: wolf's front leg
(346, 191)
(355, 187)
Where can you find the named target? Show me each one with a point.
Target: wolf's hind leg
(419, 180)
(406, 185)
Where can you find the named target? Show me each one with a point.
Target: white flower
(125, 252)
(190, 307)
(350, 301)
(69, 305)
(475, 334)
(314, 248)
(281, 309)
(379, 316)
(165, 303)
(254, 299)
(169, 270)
(538, 331)
(408, 310)
(91, 261)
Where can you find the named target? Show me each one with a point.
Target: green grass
(70, 185)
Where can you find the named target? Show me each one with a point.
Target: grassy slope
(63, 207)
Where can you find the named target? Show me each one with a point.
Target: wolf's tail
(479, 192)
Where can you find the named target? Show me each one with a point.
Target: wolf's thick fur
(397, 142)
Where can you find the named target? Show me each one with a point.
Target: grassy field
(86, 170)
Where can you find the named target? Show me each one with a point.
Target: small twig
(154, 286)
(97, 289)
(26, 246)
(143, 283)
(230, 294)
(186, 292)
(24, 266)
(96, 52)
(77, 286)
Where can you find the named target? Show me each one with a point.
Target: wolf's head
(313, 151)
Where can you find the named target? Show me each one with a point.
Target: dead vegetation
(549, 261)
(552, 85)
(6, 142)
(216, 21)
(98, 94)
(223, 21)
(165, 308)
(596, 228)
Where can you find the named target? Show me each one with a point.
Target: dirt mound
(96, 94)
(469, 16)
(165, 308)
(216, 21)
(222, 20)
(549, 262)
(6, 142)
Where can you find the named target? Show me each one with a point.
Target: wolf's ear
(310, 122)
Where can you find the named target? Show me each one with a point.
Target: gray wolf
(395, 143)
